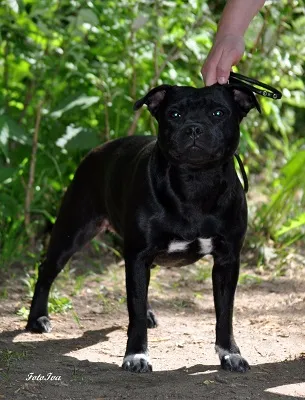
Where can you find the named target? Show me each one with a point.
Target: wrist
(234, 32)
(224, 36)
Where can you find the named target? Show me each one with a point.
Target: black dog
(172, 199)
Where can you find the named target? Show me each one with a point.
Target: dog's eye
(175, 114)
(218, 113)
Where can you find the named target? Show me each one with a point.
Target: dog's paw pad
(137, 363)
(40, 325)
(234, 362)
(151, 319)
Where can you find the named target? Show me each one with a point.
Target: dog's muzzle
(199, 144)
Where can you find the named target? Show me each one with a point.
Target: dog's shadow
(100, 380)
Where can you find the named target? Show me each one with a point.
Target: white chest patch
(177, 246)
(206, 246)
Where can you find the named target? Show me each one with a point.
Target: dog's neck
(188, 183)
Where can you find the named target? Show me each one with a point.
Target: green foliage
(203, 273)
(56, 302)
(71, 70)
(248, 279)
(23, 312)
(279, 216)
(10, 357)
(59, 304)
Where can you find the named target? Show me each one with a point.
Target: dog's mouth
(194, 154)
(195, 147)
(199, 154)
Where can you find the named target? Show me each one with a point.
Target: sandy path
(269, 328)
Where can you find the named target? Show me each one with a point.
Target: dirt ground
(86, 347)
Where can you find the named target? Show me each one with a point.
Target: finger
(227, 60)
(209, 67)
(210, 75)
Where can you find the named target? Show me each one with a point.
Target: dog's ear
(245, 99)
(153, 99)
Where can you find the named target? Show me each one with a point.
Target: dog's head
(199, 127)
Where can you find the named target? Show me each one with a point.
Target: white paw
(137, 363)
(232, 361)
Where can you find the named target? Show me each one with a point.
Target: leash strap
(243, 172)
(267, 91)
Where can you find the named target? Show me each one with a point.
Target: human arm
(229, 46)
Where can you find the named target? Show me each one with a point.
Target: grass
(9, 357)
(182, 303)
(284, 215)
(76, 375)
(3, 293)
(79, 284)
(59, 304)
(23, 312)
(203, 273)
(13, 241)
(76, 319)
(30, 280)
(56, 304)
(73, 281)
(249, 279)
(108, 303)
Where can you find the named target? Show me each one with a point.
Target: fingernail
(221, 80)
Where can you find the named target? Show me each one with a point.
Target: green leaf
(10, 129)
(81, 101)
(295, 165)
(13, 4)
(78, 138)
(23, 312)
(86, 15)
(8, 205)
(58, 304)
(292, 224)
(85, 140)
(6, 172)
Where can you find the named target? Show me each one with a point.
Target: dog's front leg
(225, 277)
(137, 277)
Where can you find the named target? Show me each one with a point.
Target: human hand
(226, 52)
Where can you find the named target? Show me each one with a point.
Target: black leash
(243, 172)
(268, 91)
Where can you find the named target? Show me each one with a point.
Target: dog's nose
(194, 131)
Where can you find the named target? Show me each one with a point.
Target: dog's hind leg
(151, 316)
(152, 321)
(79, 220)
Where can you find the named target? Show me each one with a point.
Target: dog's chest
(180, 252)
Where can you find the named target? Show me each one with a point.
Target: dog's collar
(267, 91)
(243, 172)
